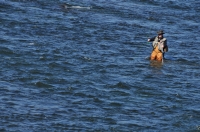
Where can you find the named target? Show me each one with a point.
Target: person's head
(160, 34)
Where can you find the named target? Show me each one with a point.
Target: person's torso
(158, 44)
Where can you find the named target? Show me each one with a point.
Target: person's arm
(165, 49)
(151, 39)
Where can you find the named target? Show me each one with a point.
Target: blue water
(83, 66)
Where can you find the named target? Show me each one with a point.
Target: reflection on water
(156, 64)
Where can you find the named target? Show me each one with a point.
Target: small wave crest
(69, 6)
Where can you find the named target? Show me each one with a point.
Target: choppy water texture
(83, 68)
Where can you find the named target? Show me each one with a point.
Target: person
(159, 46)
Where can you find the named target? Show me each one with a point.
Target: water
(84, 68)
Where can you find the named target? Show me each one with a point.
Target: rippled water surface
(81, 65)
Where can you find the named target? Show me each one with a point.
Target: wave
(69, 6)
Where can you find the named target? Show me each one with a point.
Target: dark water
(84, 68)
